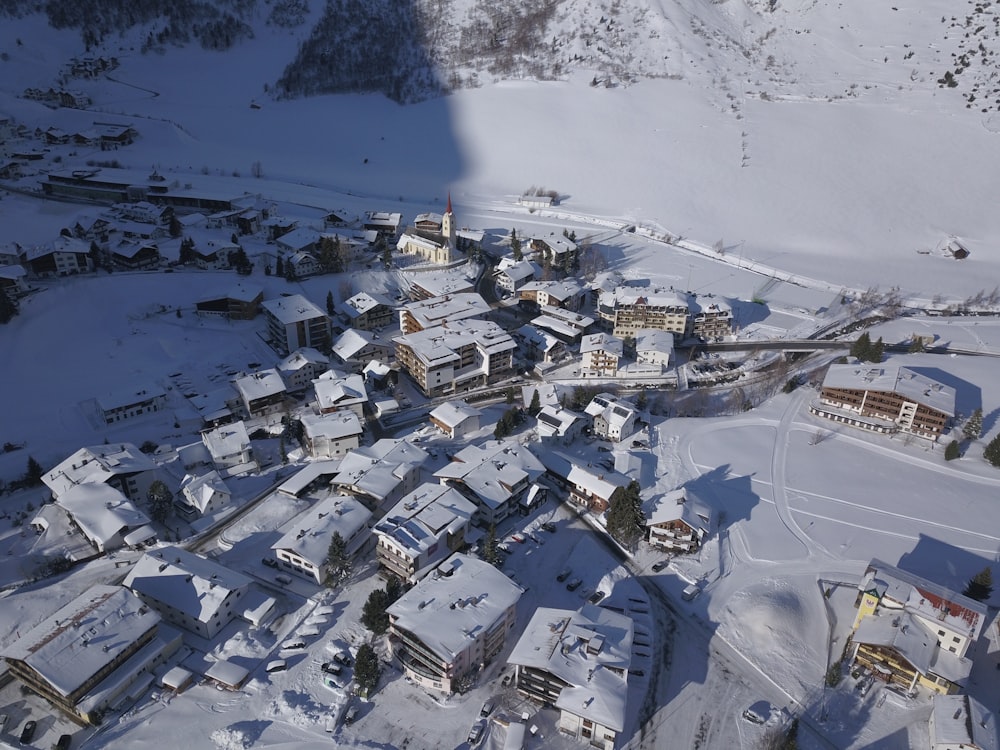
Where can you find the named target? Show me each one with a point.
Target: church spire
(448, 223)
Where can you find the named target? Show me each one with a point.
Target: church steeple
(447, 223)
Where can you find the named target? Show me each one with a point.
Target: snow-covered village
(341, 422)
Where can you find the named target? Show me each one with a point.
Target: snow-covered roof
(101, 511)
(293, 309)
(296, 484)
(631, 295)
(453, 413)
(239, 291)
(602, 342)
(352, 341)
(902, 632)
(547, 395)
(260, 384)
(132, 395)
(893, 379)
(200, 490)
(590, 650)
(332, 393)
(597, 482)
(227, 673)
(683, 505)
(517, 271)
(378, 469)
(600, 403)
(97, 463)
(186, 582)
(461, 599)
(80, 639)
(430, 217)
(436, 346)
(227, 440)
(425, 516)
(308, 535)
(339, 424)
(929, 600)
(446, 308)
(555, 420)
(493, 470)
(299, 238)
(962, 721)
(654, 340)
(61, 244)
(537, 337)
(359, 304)
(561, 290)
(302, 357)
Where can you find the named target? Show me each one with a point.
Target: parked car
(661, 564)
(278, 665)
(563, 574)
(476, 733)
(519, 538)
(283, 579)
(487, 709)
(758, 713)
(351, 715)
(596, 597)
(343, 658)
(637, 672)
(331, 668)
(507, 679)
(28, 731)
(574, 584)
(549, 527)
(64, 741)
(690, 592)
(293, 644)
(269, 562)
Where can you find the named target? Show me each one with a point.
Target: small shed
(227, 674)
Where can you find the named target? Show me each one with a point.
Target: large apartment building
(294, 322)
(453, 623)
(456, 357)
(885, 398)
(629, 309)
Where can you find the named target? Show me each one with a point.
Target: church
(433, 246)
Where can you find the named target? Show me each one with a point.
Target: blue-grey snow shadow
(943, 563)
(968, 396)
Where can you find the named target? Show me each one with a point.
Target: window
(956, 639)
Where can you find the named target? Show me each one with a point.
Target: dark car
(331, 668)
(661, 564)
(342, 658)
(28, 732)
(574, 584)
(549, 527)
(563, 574)
(596, 597)
(269, 562)
(64, 741)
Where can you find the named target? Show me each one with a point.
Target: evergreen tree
(331, 308)
(393, 590)
(992, 452)
(279, 267)
(367, 670)
(515, 245)
(160, 499)
(536, 404)
(952, 451)
(641, 400)
(186, 253)
(337, 561)
(980, 586)
(34, 473)
(916, 345)
(973, 429)
(175, 227)
(7, 308)
(862, 346)
(510, 395)
(373, 614)
(490, 552)
(877, 351)
(625, 519)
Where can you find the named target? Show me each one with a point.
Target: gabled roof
(597, 482)
(590, 650)
(201, 490)
(962, 721)
(602, 342)
(97, 464)
(184, 581)
(101, 511)
(339, 424)
(462, 599)
(260, 384)
(341, 392)
(352, 341)
(426, 516)
(227, 440)
(302, 357)
(359, 304)
(683, 505)
(453, 413)
(308, 535)
(493, 469)
(654, 340)
(378, 469)
(74, 643)
(293, 309)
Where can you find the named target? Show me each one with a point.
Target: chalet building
(119, 465)
(610, 417)
(189, 591)
(566, 294)
(654, 347)
(556, 251)
(385, 223)
(590, 487)
(230, 449)
(331, 435)
(365, 312)
(453, 623)
(512, 276)
(577, 662)
(65, 256)
(962, 722)
(131, 403)
(295, 322)
(355, 349)
(202, 495)
(680, 522)
(567, 326)
(422, 529)
(336, 392)
(240, 302)
(456, 419)
(601, 354)
(382, 473)
(135, 256)
(262, 392)
(709, 320)
(304, 546)
(910, 631)
(12, 282)
(539, 346)
(105, 517)
(884, 398)
(559, 425)
(85, 657)
(300, 368)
